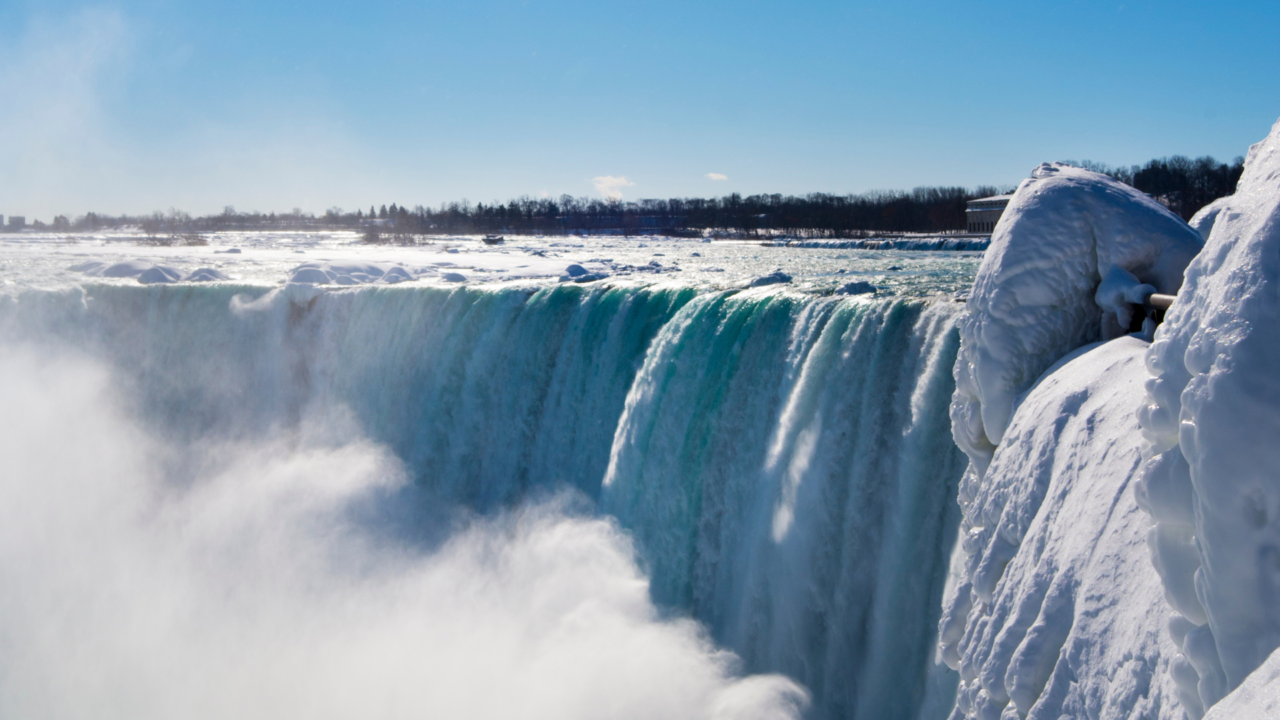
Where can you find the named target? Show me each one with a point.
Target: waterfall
(782, 461)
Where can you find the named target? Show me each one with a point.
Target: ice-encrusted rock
(146, 273)
(857, 287)
(206, 275)
(575, 270)
(1057, 612)
(159, 274)
(1033, 299)
(453, 277)
(348, 273)
(128, 268)
(776, 277)
(1206, 216)
(1212, 419)
(584, 278)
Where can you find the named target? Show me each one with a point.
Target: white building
(982, 214)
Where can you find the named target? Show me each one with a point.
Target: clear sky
(155, 104)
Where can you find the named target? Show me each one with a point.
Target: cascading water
(784, 462)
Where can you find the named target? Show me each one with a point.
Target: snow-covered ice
(337, 259)
(1033, 300)
(1206, 216)
(1258, 698)
(1212, 419)
(1057, 612)
(777, 277)
(857, 287)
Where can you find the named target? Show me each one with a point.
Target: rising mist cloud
(717, 176)
(266, 584)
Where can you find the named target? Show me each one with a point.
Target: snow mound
(206, 275)
(128, 268)
(146, 273)
(1033, 300)
(1212, 419)
(1257, 699)
(159, 274)
(1204, 219)
(776, 277)
(1057, 612)
(575, 270)
(90, 267)
(857, 287)
(348, 273)
(584, 278)
(453, 277)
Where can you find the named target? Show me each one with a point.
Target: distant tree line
(818, 214)
(1182, 184)
(927, 210)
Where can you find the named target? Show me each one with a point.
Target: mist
(284, 577)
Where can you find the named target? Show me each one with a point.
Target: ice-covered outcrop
(1212, 420)
(1064, 233)
(1258, 698)
(1058, 613)
(349, 273)
(146, 273)
(1206, 216)
(857, 287)
(774, 278)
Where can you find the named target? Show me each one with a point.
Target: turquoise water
(781, 458)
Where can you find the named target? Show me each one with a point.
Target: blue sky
(152, 104)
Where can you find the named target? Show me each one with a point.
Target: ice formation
(857, 287)
(146, 272)
(1212, 420)
(349, 273)
(774, 278)
(1065, 232)
(1206, 216)
(1258, 698)
(1056, 611)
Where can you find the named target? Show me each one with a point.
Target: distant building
(982, 214)
(16, 223)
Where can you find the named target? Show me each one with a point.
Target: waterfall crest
(783, 461)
